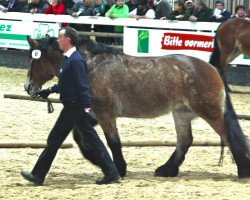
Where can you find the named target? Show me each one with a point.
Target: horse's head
(44, 58)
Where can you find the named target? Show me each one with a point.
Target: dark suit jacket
(162, 9)
(17, 6)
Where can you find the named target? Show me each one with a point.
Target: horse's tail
(215, 56)
(238, 142)
(215, 61)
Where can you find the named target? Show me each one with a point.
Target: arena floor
(72, 177)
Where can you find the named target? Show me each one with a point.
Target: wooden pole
(165, 143)
(54, 100)
(30, 145)
(25, 97)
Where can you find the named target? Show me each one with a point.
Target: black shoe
(32, 178)
(114, 178)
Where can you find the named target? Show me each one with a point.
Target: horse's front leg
(108, 125)
(182, 118)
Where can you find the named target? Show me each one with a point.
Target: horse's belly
(141, 110)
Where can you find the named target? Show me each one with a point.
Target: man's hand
(44, 93)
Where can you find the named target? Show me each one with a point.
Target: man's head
(189, 4)
(87, 3)
(119, 3)
(219, 5)
(240, 10)
(141, 4)
(67, 38)
(35, 1)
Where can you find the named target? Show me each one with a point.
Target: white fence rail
(14, 27)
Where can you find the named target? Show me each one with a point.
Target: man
(240, 12)
(190, 5)
(82, 8)
(143, 11)
(75, 95)
(36, 6)
(220, 13)
(201, 13)
(162, 8)
(13, 5)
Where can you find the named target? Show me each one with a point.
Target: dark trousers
(72, 115)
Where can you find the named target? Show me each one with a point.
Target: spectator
(36, 6)
(101, 7)
(179, 12)
(162, 9)
(201, 13)
(132, 4)
(13, 6)
(118, 10)
(143, 11)
(248, 14)
(110, 2)
(190, 5)
(83, 8)
(3, 2)
(240, 12)
(56, 7)
(68, 4)
(220, 13)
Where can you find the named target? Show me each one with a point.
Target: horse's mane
(97, 47)
(93, 47)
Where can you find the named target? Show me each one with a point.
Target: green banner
(245, 57)
(12, 36)
(143, 41)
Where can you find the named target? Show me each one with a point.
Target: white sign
(13, 34)
(155, 42)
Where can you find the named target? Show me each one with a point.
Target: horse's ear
(47, 36)
(33, 43)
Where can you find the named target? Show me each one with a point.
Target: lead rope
(50, 106)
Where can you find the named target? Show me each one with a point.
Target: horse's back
(149, 86)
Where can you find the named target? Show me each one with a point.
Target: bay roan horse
(231, 40)
(126, 86)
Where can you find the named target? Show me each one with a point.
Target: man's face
(119, 3)
(219, 6)
(63, 41)
(35, 1)
(86, 3)
(240, 12)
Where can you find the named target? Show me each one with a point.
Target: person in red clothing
(248, 14)
(56, 7)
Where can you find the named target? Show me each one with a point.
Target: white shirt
(150, 13)
(69, 52)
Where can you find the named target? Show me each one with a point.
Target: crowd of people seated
(185, 10)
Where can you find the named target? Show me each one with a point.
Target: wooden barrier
(25, 97)
(30, 145)
(165, 143)
(54, 100)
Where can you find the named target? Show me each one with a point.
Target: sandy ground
(72, 177)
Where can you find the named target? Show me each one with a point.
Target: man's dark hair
(240, 7)
(72, 34)
(222, 2)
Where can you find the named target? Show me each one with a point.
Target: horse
(231, 40)
(146, 87)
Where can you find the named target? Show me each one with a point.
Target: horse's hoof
(164, 172)
(121, 167)
(244, 174)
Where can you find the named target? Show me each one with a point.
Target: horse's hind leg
(182, 117)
